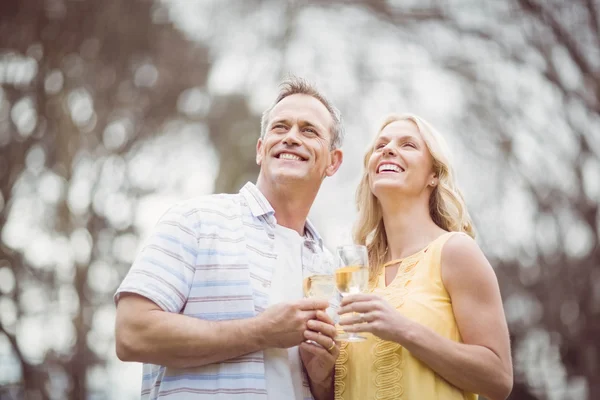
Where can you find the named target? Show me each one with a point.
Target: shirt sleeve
(163, 270)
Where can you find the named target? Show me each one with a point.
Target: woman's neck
(409, 228)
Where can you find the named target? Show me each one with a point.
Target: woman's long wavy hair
(446, 204)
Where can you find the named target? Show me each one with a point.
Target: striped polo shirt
(212, 258)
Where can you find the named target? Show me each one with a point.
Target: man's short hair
(296, 85)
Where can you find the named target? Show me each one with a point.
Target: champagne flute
(352, 276)
(317, 272)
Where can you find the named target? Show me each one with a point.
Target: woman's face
(401, 162)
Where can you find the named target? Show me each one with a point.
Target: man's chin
(290, 176)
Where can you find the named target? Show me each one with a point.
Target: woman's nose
(389, 151)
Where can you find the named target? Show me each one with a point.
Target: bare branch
(594, 19)
(29, 371)
(13, 343)
(562, 35)
(383, 10)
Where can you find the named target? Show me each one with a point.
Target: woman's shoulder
(463, 260)
(458, 246)
(449, 242)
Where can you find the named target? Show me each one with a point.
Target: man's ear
(258, 151)
(337, 156)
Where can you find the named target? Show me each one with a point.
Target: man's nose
(292, 136)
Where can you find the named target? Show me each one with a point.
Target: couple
(213, 303)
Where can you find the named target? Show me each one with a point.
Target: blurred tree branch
(130, 68)
(544, 31)
(135, 68)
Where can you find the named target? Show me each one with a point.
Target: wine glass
(352, 276)
(317, 274)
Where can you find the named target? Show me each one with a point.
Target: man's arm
(149, 326)
(146, 333)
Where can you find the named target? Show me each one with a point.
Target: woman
(434, 320)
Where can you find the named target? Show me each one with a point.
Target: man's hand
(284, 324)
(319, 359)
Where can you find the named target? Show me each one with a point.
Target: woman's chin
(386, 187)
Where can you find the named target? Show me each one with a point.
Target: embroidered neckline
(388, 361)
(418, 253)
(404, 259)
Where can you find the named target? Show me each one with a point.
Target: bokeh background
(112, 110)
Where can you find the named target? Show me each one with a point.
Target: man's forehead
(301, 106)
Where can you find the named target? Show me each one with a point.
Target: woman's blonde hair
(446, 204)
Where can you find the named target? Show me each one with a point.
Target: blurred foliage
(85, 86)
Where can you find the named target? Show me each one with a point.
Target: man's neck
(291, 203)
(408, 226)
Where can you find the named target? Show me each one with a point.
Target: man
(213, 303)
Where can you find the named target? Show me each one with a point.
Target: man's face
(297, 142)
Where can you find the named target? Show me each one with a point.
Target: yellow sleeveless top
(380, 370)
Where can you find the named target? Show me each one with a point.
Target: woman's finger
(353, 319)
(358, 328)
(360, 307)
(358, 297)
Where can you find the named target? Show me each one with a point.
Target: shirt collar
(260, 206)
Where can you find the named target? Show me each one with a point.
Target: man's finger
(325, 329)
(325, 341)
(309, 315)
(323, 316)
(313, 304)
(312, 348)
(318, 351)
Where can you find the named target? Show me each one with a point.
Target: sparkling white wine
(319, 286)
(352, 279)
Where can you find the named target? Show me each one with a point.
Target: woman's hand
(374, 315)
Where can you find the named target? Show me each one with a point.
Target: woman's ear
(433, 180)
